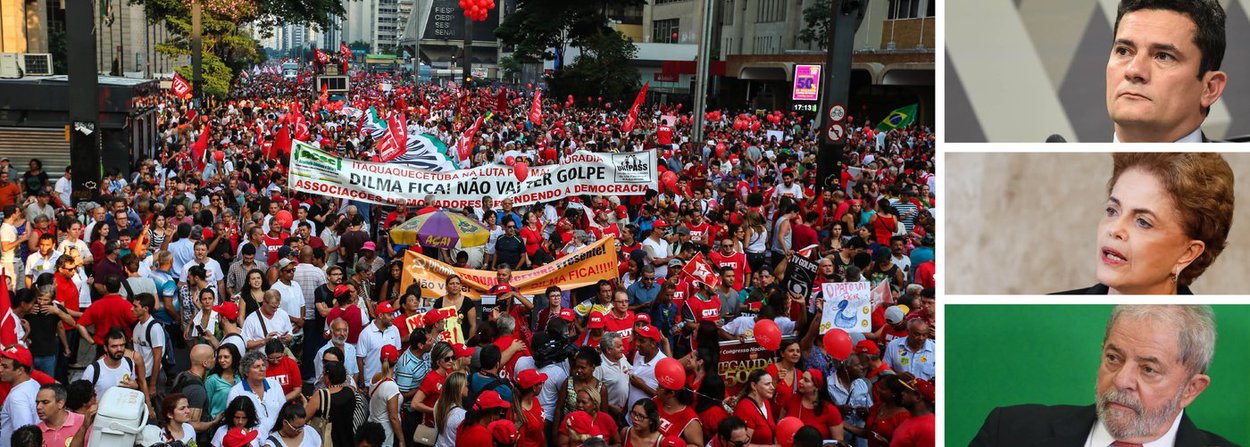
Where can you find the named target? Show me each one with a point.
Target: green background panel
(1000, 355)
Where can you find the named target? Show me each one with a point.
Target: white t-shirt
(311, 439)
(556, 373)
(369, 347)
(64, 188)
(646, 371)
(794, 190)
(447, 433)
(292, 299)
(616, 378)
(139, 336)
(8, 234)
(266, 410)
(658, 249)
(211, 267)
(280, 323)
(379, 397)
(18, 410)
(109, 377)
(219, 437)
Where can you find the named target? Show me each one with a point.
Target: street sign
(836, 132)
(837, 113)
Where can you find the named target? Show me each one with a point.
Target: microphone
(1056, 138)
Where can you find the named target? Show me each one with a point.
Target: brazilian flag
(899, 118)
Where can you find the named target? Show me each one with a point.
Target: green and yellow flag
(899, 118)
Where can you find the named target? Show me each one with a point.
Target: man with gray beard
(1154, 364)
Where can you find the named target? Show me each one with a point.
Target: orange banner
(581, 268)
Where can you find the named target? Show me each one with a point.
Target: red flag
(281, 144)
(296, 118)
(8, 320)
(321, 56)
(699, 270)
(501, 103)
(536, 111)
(180, 86)
(633, 111)
(395, 142)
(345, 51)
(465, 145)
(200, 148)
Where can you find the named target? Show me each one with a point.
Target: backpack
(167, 352)
(99, 364)
(490, 386)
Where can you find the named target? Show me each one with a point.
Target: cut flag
(536, 111)
(199, 149)
(180, 86)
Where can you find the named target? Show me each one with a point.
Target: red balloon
(521, 170)
(669, 180)
(529, 85)
(671, 375)
(755, 126)
(720, 150)
(679, 106)
(786, 428)
(837, 344)
(768, 334)
(219, 155)
(509, 160)
(283, 219)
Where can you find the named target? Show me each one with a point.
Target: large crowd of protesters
(182, 282)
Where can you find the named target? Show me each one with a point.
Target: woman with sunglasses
(646, 429)
(291, 429)
(444, 360)
(473, 432)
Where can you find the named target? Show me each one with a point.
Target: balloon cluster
(477, 9)
(747, 121)
(714, 115)
(774, 117)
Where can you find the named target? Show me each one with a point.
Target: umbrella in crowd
(441, 229)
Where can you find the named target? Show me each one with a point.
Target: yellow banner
(581, 268)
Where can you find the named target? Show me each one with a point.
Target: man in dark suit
(1154, 363)
(1163, 73)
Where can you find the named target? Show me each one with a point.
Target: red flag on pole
(345, 51)
(536, 111)
(321, 56)
(298, 122)
(501, 103)
(8, 320)
(395, 142)
(633, 111)
(281, 144)
(464, 147)
(699, 270)
(180, 86)
(200, 149)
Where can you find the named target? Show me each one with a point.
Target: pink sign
(806, 83)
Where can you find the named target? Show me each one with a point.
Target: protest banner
(847, 307)
(738, 359)
(581, 268)
(315, 171)
(800, 274)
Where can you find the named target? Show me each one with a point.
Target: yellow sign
(581, 268)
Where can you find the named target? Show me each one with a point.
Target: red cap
(384, 308)
(567, 315)
(390, 353)
(490, 399)
(582, 423)
(622, 212)
(528, 378)
(595, 321)
(642, 318)
(19, 354)
(925, 388)
(462, 350)
(239, 437)
(649, 331)
(756, 306)
(228, 310)
(431, 317)
(868, 347)
(341, 290)
(659, 223)
(503, 431)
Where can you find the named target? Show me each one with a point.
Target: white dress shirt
(1100, 437)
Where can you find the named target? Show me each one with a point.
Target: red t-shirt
(664, 135)
(704, 310)
(531, 432)
(623, 326)
(916, 432)
(829, 417)
(711, 418)
(700, 234)
(736, 261)
(532, 239)
(432, 386)
(272, 244)
(749, 411)
(784, 390)
(476, 435)
(673, 424)
(67, 295)
(287, 373)
(108, 312)
(884, 426)
(924, 275)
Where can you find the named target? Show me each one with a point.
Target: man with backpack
(487, 378)
(191, 384)
(114, 368)
(149, 339)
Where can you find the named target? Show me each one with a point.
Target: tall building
(123, 35)
(359, 22)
